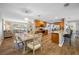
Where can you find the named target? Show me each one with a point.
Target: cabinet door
(55, 37)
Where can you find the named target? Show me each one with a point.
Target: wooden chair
(36, 43)
(18, 42)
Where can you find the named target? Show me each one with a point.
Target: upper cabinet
(60, 23)
(39, 23)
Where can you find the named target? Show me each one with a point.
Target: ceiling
(44, 10)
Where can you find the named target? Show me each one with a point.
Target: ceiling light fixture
(26, 19)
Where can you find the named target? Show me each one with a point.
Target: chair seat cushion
(34, 45)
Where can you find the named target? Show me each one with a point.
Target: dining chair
(18, 41)
(68, 36)
(36, 43)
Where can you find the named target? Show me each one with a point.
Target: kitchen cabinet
(55, 37)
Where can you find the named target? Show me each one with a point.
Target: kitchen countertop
(55, 32)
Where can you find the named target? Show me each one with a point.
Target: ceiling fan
(26, 10)
(66, 4)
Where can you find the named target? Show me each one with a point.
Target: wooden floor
(48, 48)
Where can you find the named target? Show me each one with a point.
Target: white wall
(1, 32)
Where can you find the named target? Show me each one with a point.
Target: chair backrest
(71, 33)
(17, 38)
(69, 36)
(38, 37)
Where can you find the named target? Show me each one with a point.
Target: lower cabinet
(55, 37)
